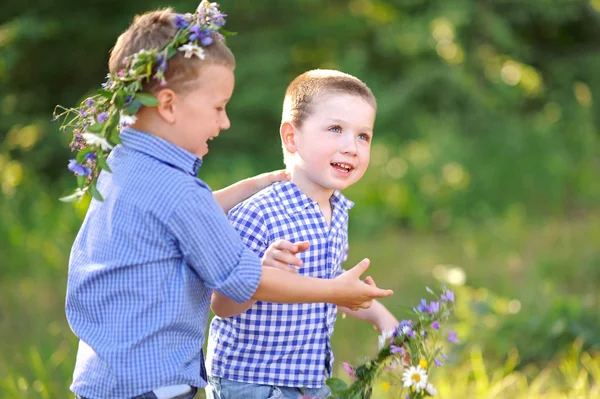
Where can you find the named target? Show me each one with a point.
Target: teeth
(343, 165)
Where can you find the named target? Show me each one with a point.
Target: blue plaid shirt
(142, 269)
(280, 344)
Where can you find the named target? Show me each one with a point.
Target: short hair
(301, 93)
(154, 30)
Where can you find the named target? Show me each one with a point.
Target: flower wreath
(97, 121)
(412, 349)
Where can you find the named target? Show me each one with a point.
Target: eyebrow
(341, 122)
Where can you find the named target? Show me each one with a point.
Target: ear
(288, 136)
(167, 103)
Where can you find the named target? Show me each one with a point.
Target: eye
(365, 137)
(220, 109)
(335, 129)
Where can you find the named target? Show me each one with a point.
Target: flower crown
(97, 121)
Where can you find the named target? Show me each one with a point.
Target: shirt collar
(161, 149)
(296, 201)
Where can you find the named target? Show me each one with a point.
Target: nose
(349, 146)
(225, 123)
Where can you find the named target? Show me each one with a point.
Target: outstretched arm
(280, 255)
(377, 314)
(230, 196)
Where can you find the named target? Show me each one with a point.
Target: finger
(279, 175)
(285, 245)
(366, 305)
(379, 293)
(286, 258)
(369, 280)
(360, 268)
(281, 266)
(302, 246)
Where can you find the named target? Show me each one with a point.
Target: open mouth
(342, 167)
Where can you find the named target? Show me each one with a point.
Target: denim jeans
(221, 388)
(151, 395)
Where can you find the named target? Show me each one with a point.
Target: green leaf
(336, 385)
(171, 52)
(103, 164)
(133, 107)
(119, 98)
(226, 33)
(81, 154)
(147, 99)
(81, 181)
(106, 94)
(96, 128)
(114, 137)
(95, 193)
(72, 198)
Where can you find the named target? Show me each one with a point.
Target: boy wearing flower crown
(276, 350)
(155, 243)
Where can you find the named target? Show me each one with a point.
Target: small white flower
(415, 377)
(127, 120)
(192, 49)
(94, 140)
(431, 390)
(384, 337)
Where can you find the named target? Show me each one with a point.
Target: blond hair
(306, 88)
(155, 29)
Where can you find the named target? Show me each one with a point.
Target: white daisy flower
(191, 49)
(431, 390)
(127, 120)
(97, 141)
(415, 377)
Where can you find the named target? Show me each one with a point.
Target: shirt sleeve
(250, 223)
(212, 247)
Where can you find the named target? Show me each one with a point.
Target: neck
(312, 190)
(149, 122)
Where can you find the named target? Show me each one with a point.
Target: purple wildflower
(207, 40)
(423, 307)
(83, 113)
(453, 337)
(90, 156)
(447, 296)
(102, 117)
(161, 63)
(438, 362)
(351, 372)
(89, 102)
(78, 169)
(397, 349)
(435, 325)
(181, 22)
(196, 32)
(434, 307)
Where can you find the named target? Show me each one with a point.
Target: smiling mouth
(342, 167)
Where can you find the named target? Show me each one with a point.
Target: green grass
(512, 278)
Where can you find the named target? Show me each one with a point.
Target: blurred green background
(484, 173)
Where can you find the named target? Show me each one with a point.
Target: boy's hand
(266, 179)
(354, 293)
(281, 254)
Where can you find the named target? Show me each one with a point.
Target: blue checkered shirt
(142, 269)
(282, 344)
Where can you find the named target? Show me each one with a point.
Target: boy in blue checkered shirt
(149, 255)
(283, 350)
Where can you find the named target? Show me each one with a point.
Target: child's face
(333, 146)
(201, 114)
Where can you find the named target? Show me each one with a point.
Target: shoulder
(262, 204)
